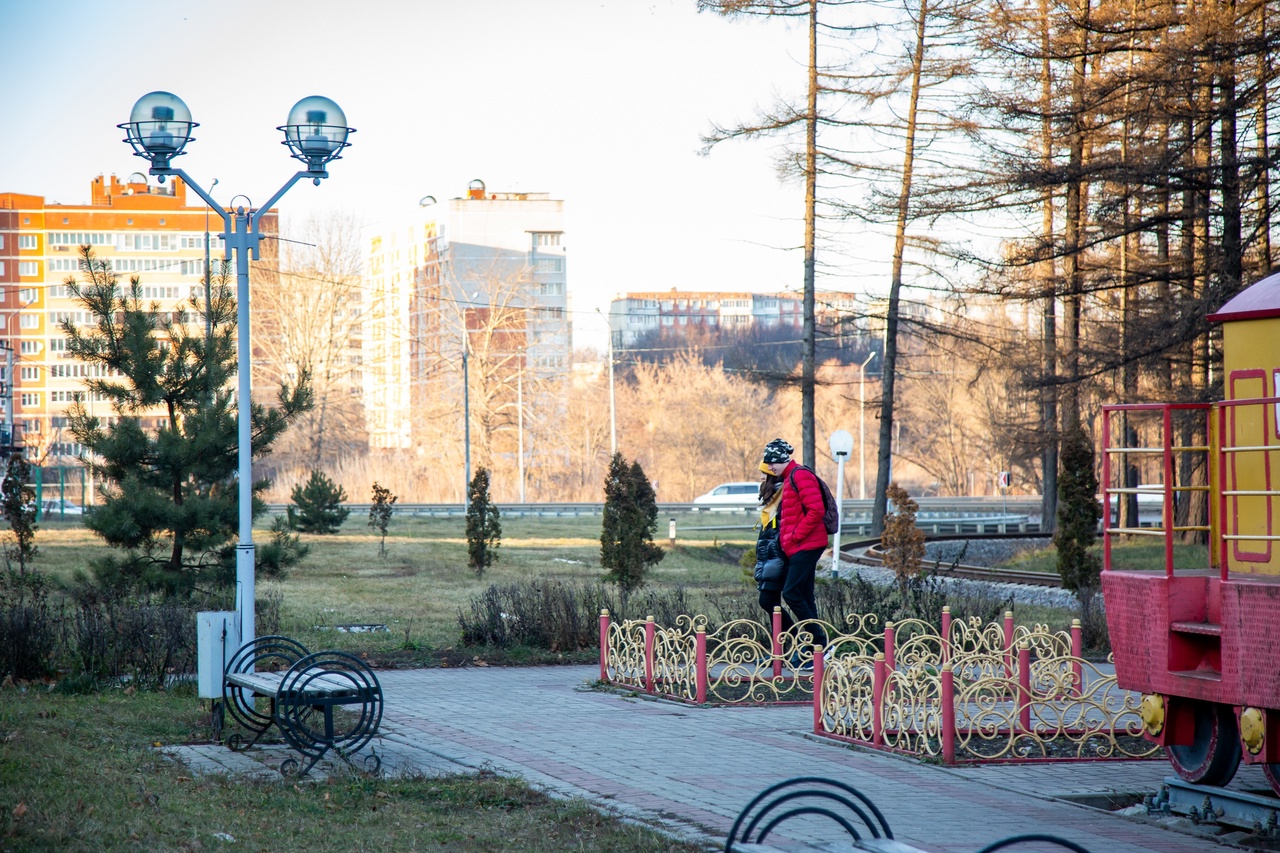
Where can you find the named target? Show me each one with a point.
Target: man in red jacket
(802, 534)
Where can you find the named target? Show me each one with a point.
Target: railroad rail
(867, 552)
(1257, 813)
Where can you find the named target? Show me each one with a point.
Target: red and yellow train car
(1203, 643)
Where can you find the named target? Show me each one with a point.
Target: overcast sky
(601, 104)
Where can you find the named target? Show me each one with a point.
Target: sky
(602, 104)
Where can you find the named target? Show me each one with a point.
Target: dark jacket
(770, 571)
(802, 509)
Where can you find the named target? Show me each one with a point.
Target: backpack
(830, 512)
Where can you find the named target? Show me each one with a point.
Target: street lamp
(613, 421)
(862, 427)
(316, 131)
(841, 446)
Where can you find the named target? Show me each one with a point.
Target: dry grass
(417, 590)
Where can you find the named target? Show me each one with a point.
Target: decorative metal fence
(970, 693)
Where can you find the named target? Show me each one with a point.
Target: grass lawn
(82, 773)
(417, 590)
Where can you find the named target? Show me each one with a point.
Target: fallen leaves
(19, 810)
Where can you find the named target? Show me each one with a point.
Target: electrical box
(217, 641)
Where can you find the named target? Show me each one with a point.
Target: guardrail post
(819, 671)
(945, 650)
(671, 533)
(948, 715)
(1024, 686)
(1008, 644)
(776, 641)
(650, 631)
(700, 645)
(604, 644)
(877, 700)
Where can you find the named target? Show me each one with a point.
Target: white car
(55, 508)
(730, 496)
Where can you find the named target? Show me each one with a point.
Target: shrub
(139, 637)
(28, 625)
(318, 505)
(18, 504)
(627, 550)
(1078, 513)
(484, 530)
(380, 515)
(902, 541)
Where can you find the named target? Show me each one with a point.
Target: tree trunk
(808, 366)
(890, 364)
(1049, 291)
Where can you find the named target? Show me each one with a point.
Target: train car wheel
(1214, 755)
(1272, 772)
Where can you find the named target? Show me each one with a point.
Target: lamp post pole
(316, 131)
(862, 427)
(841, 446)
(613, 420)
(466, 418)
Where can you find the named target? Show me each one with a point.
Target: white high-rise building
(487, 270)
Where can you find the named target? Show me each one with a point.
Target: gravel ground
(980, 552)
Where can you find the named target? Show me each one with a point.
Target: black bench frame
(303, 689)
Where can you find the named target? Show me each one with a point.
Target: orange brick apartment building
(144, 229)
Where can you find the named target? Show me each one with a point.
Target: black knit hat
(777, 451)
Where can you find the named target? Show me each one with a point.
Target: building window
(29, 268)
(30, 400)
(551, 288)
(57, 345)
(79, 238)
(29, 347)
(28, 294)
(548, 265)
(30, 374)
(29, 321)
(667, 321)
(28, 241)
(546, 239)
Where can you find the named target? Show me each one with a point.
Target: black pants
(797, 593)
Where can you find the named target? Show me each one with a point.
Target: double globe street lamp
(159, 128)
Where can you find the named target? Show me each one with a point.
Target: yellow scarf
(769, 512)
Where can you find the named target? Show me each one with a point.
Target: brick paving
(690, 770)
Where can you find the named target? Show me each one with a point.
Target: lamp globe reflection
(316, 131)
(159, 127)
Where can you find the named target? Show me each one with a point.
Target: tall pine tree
(168, 454)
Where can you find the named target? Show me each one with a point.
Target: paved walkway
(690, 770)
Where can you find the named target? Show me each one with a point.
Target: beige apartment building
(485, 272)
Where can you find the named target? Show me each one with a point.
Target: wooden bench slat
(269, 683)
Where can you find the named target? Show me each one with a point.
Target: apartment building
(486, 270)
(142, 229)
(634, 316)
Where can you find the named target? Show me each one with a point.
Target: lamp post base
(245, 591)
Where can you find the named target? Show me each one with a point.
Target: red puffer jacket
(801, 525)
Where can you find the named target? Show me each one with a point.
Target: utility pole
(520, 426)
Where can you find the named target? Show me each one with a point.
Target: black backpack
(830, 512)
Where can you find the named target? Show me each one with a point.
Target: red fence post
(1008, 644)
(700, 640)
(1024, 686)
(776, 640)
(948, 715)
(877, 701)
(819, 670)
(946, 634)
(649, 634)
(604, 645)
(1077, 651)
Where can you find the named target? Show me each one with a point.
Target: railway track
(1254, 811)
(867, 552)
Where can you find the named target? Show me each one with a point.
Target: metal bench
(846, 806)
(319, 701)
